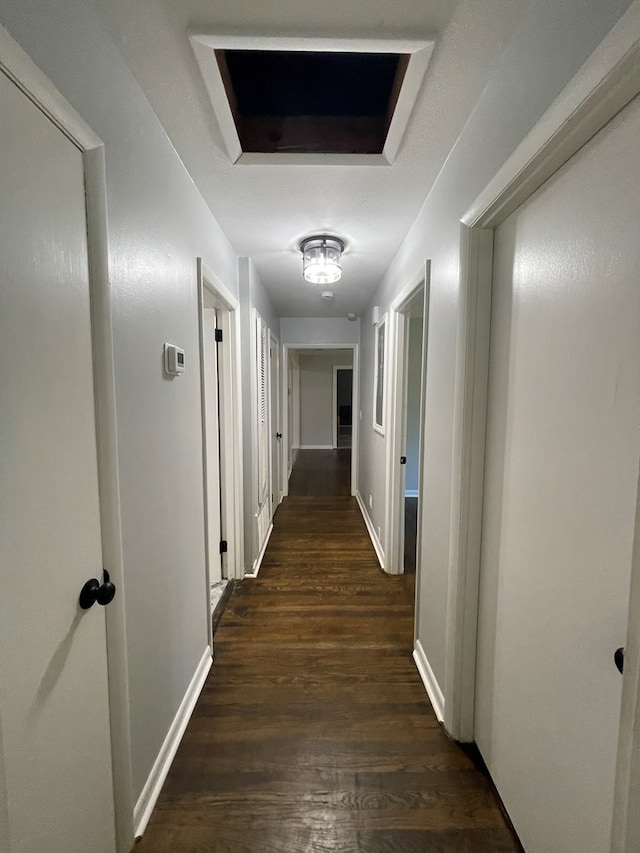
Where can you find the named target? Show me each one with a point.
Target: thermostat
(173, 360)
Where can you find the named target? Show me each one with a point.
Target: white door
(53, 668)
(213, 445)
(561, 474)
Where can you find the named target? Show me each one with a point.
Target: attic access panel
(298, 102)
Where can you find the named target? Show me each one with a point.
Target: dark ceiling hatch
(298, 102)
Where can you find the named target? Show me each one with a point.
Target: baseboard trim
(258, 560)
(316, 447)
(411, 493)
(370, 529)
(429, 680)
(151, 791)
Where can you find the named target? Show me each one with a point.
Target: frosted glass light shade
(322, 259)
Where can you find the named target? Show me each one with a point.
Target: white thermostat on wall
(173, 360)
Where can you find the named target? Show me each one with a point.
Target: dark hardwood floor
(313, 732)
(321, 472)
(410, 533)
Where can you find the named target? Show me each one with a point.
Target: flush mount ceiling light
(321, 259)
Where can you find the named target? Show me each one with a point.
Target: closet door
(56, 786)
(561, 474)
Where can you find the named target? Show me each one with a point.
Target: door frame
(604, 85)
(286, 426)
(395, 418)
(274, 423)
(293, 403)
(230, 425)
(18, 66)
(336, 368)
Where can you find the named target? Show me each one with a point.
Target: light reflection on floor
(216, 592)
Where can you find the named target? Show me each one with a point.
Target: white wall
(292, 417)
(319, 331)
(158, 224)
(539, 55)
(316, 396)
(371, 446)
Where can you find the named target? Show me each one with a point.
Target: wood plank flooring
(313, 733)
(321, 472)
(410, 533)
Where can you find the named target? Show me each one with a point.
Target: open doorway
(408, 320)
(221, 451)
(274, 421)
(343, 402)
(413, 380)
(320, 431)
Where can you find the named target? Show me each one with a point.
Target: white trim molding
(607, 81)
(380, 384)
(467, 484)
(371, 531)
(228, 455)
(429, 680)
(257, 563)
(162, 764)
(626, 825)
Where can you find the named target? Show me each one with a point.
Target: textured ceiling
(266, 209)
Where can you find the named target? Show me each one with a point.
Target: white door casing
(212, 441)
(54, 710)
(226, 461)
(560, 490)
(274, 421)
(398, 342)
(262, 444)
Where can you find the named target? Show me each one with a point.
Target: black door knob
(618, 657)
(94, 591)
(107, 591)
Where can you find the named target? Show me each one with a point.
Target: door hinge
(218, 336)
(403, 460)
(224, 547)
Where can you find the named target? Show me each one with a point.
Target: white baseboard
(316, 447)
(258, 560)
(370, 529)
(155, 781)
(429, 680)
(411, 493)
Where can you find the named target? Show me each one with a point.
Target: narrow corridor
(313, 732)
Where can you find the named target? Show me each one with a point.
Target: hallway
(313, 732)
